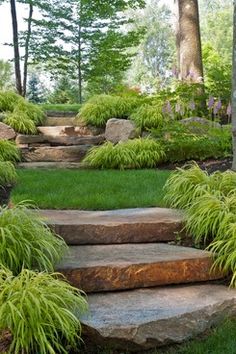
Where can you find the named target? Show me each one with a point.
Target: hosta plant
(38, 309)
(26, 241)
(9, 151)
(137, 153)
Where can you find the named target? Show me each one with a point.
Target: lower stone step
(36, 140)
(118, 267)
(52, 165)
(146, 318)
(115, 226)
(56, 153)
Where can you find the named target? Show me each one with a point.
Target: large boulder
(199, 125)
(6, 132)
(120, 130)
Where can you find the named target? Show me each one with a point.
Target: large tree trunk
(234, 91)
(16, 47)
(27, 42)
(189, 41)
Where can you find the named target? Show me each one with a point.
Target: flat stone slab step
(70, 130)
(52, 165)
(147, 318)
(115, 226)
(55, 153)
(129, 266)
(59, 140)
(59, 121)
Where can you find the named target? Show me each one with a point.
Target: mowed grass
(221, 340)
(91, 189)
(61, 107)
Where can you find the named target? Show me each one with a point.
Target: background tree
(234, 91)
(5, 75)
(189, 41)
(34, 92)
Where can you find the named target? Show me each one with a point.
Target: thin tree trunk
(189, 41)
(79, 67)
(16, 47)
(234, 91)
(27, 41)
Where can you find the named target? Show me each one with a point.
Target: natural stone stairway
(60, 141)
(143, 291)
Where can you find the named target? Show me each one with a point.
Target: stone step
(55, 154)
(129, 266)
(59, 121)
(61, 114)
(115, 226)
(57, 140)
(52, 165)
(147, 318)
(69, 130)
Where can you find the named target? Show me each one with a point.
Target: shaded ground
(208, 165)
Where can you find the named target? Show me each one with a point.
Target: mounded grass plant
(148, 116)
(209, 202)
(9, 151)
(99, 109)
(34, 112)
(21, 123)
(131, 154)
(38, 310)
(8, 175)
(8, 101)
(27, 242)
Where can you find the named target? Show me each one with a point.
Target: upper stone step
(147, 318)
(129, 266)
(69, 130)
(115, 226)
(59, 121)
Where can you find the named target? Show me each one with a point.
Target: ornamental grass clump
(132, 154)
(21, 123)
(8, 101)
(38, 309)
(9, 151)
(148, 116)
(8, 175)
(209, 202)
(27, 242)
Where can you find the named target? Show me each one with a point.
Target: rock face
(59, 140)
(6, 132)
(137, 225)
(120, 130)
(147, 318)
(130, 266)
(201, 121)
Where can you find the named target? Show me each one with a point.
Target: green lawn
(221, 340)
(61, 107)
(91, 189)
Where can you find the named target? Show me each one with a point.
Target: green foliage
(38, 310)
(137, 153)
(8, 175)
(209, 202)
(32, 111)
(26, 241)
(9, 151)
(61, 107)
(21, 123)
(194, 141)
(99, 109)
(148, 116)
(8, 101)
(5, 75)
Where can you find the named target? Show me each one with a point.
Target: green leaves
(39, 311)
(26, 241)
(209, 202)
(9, 151)
(8, 175)
(147, 116)
(137, 153)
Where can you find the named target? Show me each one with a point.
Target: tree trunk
(27, 41)
(16, 47)
(189, 42)
(234, 91)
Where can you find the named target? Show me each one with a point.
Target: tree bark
(189, 42)
(16, 47)
(27, 42)
(234, 91)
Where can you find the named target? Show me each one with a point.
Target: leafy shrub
(209, 202)
(26, 241)
(8, 175)
(9, 151)
(137, 153)
(181, 144)
(148, 116)
(38, 310)
(21, 123)
(8, 101)
(34, 113)
(99, 109)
